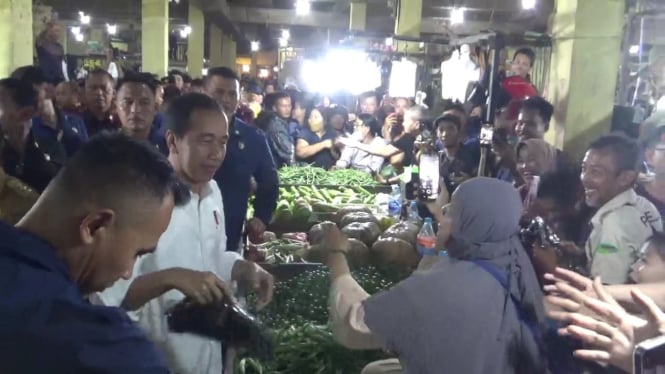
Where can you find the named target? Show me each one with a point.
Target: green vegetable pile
(303, 337)
(297, 204)
(282, 251)
(310, 175)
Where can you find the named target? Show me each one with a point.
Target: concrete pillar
(215, 47)
(196, 41)
(585, 63)
(409, 17)
(358, 16)
(155, 36)
(16, 38)
(229, 52)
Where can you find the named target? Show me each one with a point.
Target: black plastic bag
(224, 321)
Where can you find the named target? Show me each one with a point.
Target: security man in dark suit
(247, 156)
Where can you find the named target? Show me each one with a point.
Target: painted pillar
(229, 52)
(196, 41)
(16, 35)
(409, 17)
(215, 46)
(155, 36)
(358, 16)
(585, 63)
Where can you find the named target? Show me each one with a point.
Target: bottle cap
(428, 220)
(414, 204)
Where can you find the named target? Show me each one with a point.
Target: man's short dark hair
(278, 96)
(367, 95)
(21, 93)
(177, 117)
(456, 107)
(371, 122)
(112, 166)
(100, 71)
(172, 74)
(186, 78)
(543, 107)
(32, 75)
(625, 150)
(528, 52)
(221, 71)
(562, 185)
(450, 119)
(138, 78)
(197, 82)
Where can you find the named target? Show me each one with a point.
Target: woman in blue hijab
(477, 311)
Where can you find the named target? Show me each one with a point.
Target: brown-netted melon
(318, 232)
(394, 252)
(366, 232)
(350, 209)
(357, 217)
(358, 255)
(402, 230)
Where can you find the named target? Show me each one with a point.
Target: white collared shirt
(195, 239)
(620, 227)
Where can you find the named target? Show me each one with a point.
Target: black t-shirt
(465, 161)
(405, 144)
(323, 159)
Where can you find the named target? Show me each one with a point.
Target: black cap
(254, 88)
(31, 75)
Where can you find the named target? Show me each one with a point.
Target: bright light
(275, 69)
(286, 34)
(254, 46)
(634, 49)
(302, 7)
(528, 4)
(389, 41)
(84, 18)
(457, 16)
(183, 34)
(402, 82)
(111, 29)
(78, 37)
(76, 30)
(341, 71)
(204, 71)
(283, 43)
(421, 45)
(245, 68)
(264, 73)
(188, 30)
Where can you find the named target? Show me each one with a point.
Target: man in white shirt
(624, 220)
(190, 260)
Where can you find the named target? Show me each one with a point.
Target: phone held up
(649, 356)
(429, 177)
(486, 135)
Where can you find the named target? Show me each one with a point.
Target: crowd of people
(133, 193)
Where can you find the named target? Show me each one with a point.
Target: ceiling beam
(270, 16)
(218, 11)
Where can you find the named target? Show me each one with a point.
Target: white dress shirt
(195, 239)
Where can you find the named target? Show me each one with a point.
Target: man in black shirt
(30, 158)
(458, 161)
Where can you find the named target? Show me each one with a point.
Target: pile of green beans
(309, 175)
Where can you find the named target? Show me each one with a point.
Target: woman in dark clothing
(316, 142)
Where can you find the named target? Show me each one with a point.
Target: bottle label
(426, 245)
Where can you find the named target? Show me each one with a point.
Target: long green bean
(309, 175)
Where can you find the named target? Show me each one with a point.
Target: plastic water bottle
(427, 239)
(395, 203)
(412, 213)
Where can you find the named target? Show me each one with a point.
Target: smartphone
(429, 177)
(486, 135)
(649, 356)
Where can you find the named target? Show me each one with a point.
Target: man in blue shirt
(112, 201)
(247, 156)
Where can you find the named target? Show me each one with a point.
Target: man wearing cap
(254, 98)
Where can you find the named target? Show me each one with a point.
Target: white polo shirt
(195, 239)
(620, 227)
